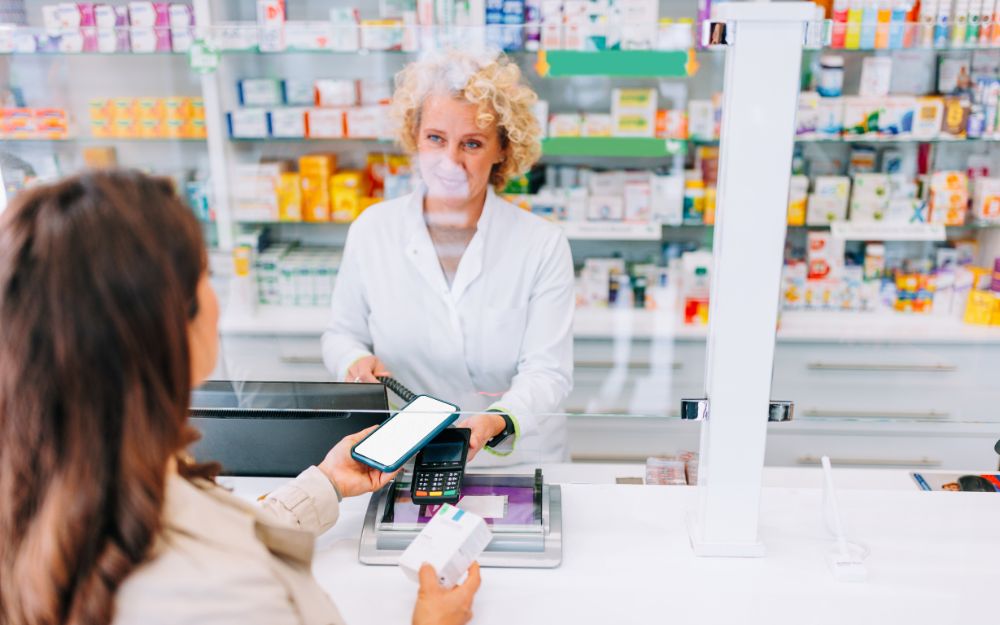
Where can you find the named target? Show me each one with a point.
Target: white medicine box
(450, 543)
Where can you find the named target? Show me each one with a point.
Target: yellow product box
(151, 128)
(102, 129)
(177, 108)
(100, 157)
(194, 129)
(123, 108)
(150, 109)
(318, 165)
(195, 108)
(289, 197)
(709, 216)
(980, 308)
(349, 179)
(126, 128)
(175, 128)
(315, 197)
(346, 204)
(100, 109)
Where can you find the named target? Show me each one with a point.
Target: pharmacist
(453, 291)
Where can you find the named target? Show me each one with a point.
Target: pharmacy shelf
(854, 139)
(614, 147)
(620, 63)
(104, 55)
(611, 231)
(881, 231)
(100, 140)
(643, 325)
(315, 140)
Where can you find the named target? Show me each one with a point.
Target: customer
(107, 319)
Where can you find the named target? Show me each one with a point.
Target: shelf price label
(204, 58)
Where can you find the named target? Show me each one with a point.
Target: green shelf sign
(638, 147)
(635, 63)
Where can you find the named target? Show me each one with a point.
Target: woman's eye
(473, 145)
(435, 138)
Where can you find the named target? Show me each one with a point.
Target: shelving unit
(629, 147)
(614, 346)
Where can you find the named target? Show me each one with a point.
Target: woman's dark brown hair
(98, 282)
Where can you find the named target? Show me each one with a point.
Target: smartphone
(405, 433)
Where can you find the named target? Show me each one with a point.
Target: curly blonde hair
(490, 81)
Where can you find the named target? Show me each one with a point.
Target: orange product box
(369, 201)
(175, 128)
(101, 109)
(177, 108)
(100, 157)
(196, 108)
(51, 123)
(102, 117)
(660, 126)
(102, 129)
(318, 165)
(126, 128)
(315, 197)
(151, 128)
(150, 109)
(17, 123)
(194, 129)
(122, 108)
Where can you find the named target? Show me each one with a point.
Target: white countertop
(838, 327)
(935, 558)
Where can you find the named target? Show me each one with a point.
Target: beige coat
(222, 560)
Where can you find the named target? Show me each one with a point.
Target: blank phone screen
(402, 433)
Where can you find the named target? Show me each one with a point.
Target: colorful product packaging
(325, 123)
(986, 200)
(829, 200)
(798, 194)
(949, 197)
(259, 92)
(346, 189)
(336, 93)
(288, 123)
(596, 125)
(315, 172)
(956, 117)
(929, 117)
(633, 112)
(565, 125)
(289, 197)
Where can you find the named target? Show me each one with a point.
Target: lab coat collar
(420, 249)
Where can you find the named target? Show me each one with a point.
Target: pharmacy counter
(935, 558)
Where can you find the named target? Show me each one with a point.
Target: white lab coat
(500, 337)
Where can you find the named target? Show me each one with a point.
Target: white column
(218, 137)
(761, 89)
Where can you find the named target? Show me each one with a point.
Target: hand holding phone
(350, 477)
(403, 434)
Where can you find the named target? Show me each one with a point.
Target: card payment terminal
(439, 468)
